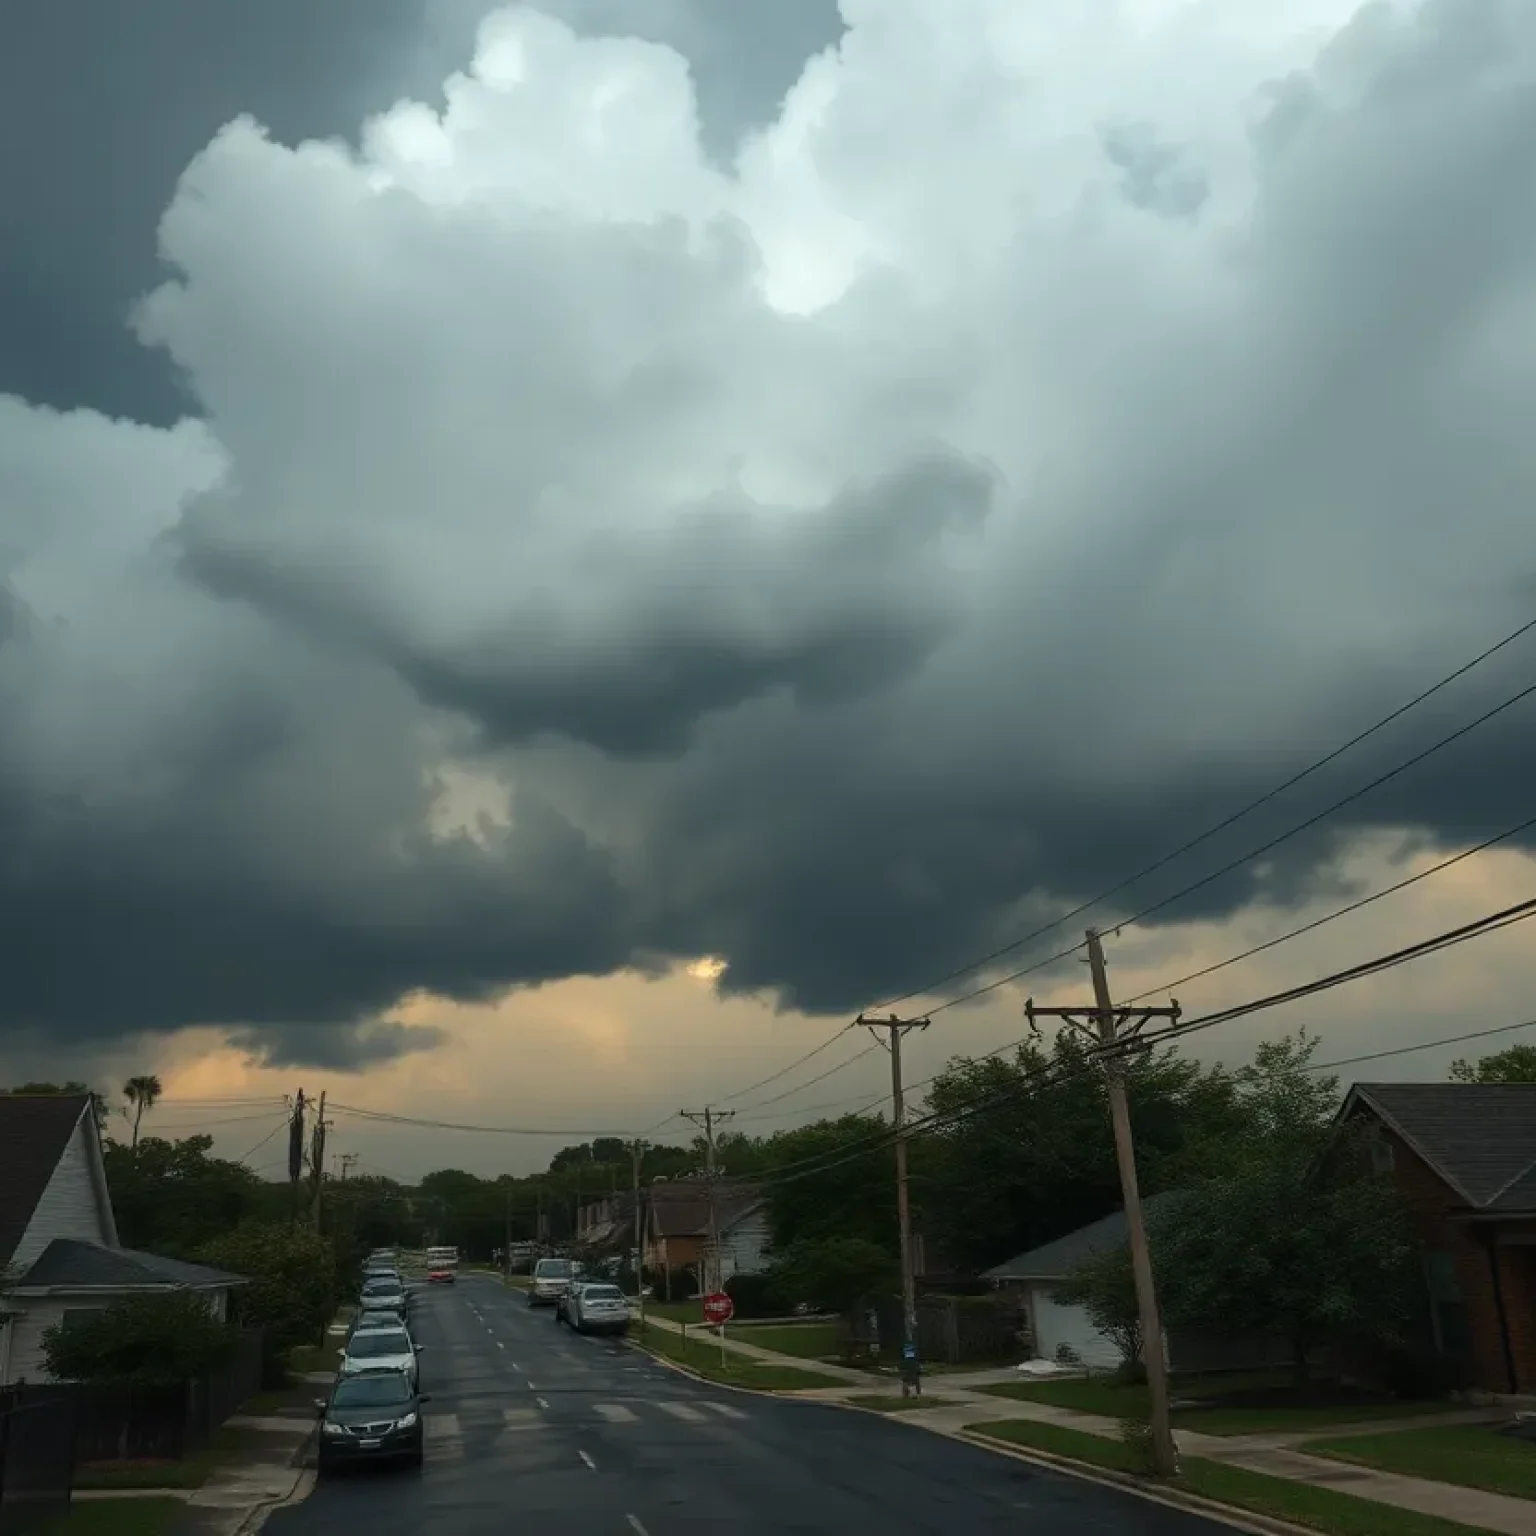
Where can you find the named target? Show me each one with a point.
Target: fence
(170, 1422)
(37, 1455)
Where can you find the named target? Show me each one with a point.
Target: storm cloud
(1050, 431)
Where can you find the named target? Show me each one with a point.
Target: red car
(442, 1275)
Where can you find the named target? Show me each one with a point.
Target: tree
(835, 1274)
(165, 1337)
(1297, 1234)
(1104, 1286)
(142, 1093)
(853, 1195)
(174, 1196)
(1515, 1065)
(293, 1286)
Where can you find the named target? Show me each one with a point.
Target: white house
(58, 1240)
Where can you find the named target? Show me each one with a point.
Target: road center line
(635, 1526)
(539, 1400)
(587, 1461)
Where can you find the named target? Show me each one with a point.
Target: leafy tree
(1104, 1286)
(143, 1093)
(294, 1281)
(843, 1186)
(167, 1337)
(836, 1273)
(1297, 1234)
(1515, 1065)
(174, 1196)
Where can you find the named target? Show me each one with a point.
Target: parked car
(376, 1349)
(373, 1318)
(597, 1307)
(371, 1416)
(551, 1279)
(384, 1295)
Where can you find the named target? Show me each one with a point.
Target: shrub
(754, 1295)
(148, 1339)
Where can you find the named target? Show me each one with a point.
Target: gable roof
(34, 1131)
(66, 1262)
(681, 1209)
(1480, 1138)
(1056, 1259)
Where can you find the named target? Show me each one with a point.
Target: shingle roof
(34, 1130)
(682, 1209)
(1059, 1257)
(1479, 1137)
(66, 1262)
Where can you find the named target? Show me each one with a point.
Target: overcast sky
(550, 555)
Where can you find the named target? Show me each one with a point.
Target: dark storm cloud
(351, 1048)
(1263, 471)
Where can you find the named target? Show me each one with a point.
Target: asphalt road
(532, 1428)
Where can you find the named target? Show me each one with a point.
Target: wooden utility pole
(896, 1028)
(1115, 1032)
(317, 1163)
(347, 1162)
(712, 1280)
(637, 1154)
(295, 1155)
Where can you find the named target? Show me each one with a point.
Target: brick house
(1464, 1157)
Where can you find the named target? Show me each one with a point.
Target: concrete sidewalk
(1272, 1454)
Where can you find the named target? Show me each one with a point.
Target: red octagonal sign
(719, 1308)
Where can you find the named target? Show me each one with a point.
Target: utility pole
(896, 1028)
(317, 1163)
(637, 1154)
(348, 1161)
(1115, 1032)
(710, 1118)
(295, 1155)
(506, 1252)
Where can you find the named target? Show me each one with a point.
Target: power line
(386, 1118)
(151, 1129)
(1424, 1045)
(277, 1130)
(1253, 853)
(811, 1082)
(1221, 826)
(1344, 911)
(799, 1061)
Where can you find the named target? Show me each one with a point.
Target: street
(571, 1436)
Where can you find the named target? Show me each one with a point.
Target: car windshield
(602, 1293)
(552, 1269)
(382, 1288)
(377, 1320)
(371, 1392)
(372, 1346)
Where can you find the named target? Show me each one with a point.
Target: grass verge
(703, 1356)
(190, 1472)
(1319, 1509)
(1112, 1400)
(805, 1341)
(117, 1517)
(1463, 1454)
(883, 1403)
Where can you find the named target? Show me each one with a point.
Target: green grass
(1112, 1400)
(703, 1355)
(676, 1311)
(1463, 1454)
(883, 1403)
(806, 1341)
(117, 1517)
(1319, 1509)
(314, 1357)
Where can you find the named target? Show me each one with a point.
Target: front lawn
(808, 1341)
(117, 1517)
(1259, 1405)
(1319, 1509)
(703, 1356)
(1466, 1454)
(190, 1472)
(307, 1359)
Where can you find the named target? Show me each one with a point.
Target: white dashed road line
(615, 1413)
(635, 1526)
(587, 1461)
(540, 1401)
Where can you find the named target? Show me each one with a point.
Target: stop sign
(719, 1308)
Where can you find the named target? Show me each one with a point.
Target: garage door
(1055, 1325)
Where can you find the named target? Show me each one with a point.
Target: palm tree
(142, 1093)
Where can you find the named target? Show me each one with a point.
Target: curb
(781, 1394)
(1242, 1520)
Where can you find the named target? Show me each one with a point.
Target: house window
(1448, 1311)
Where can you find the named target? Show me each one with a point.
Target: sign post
(719, 1309)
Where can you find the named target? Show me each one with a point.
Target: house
(58, 1238)
(678, 1228)
(1464, 1157)
(1055, 1326)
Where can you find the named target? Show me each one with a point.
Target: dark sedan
(373, 1416)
